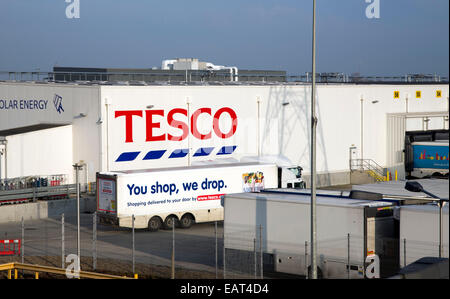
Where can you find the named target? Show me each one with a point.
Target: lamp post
(313, 151)
(77, 168)
(417, 187)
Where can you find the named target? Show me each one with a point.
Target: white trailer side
(285, 222)
(161, 194)
(419, 231)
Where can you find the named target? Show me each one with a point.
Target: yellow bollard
(135, 276)
(387, 176)
(396, 174)
(15, 274)
(36, 275)
(9, 274)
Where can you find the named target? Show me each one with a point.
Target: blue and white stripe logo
(178, 153)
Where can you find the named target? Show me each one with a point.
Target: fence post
(46, 238)
(224, 255)
(22, 241)
(173, 249)
(62, 241)
(261, 252)
(254, 254)
(215, 234)
(94, 241)
(404, 252)
(306, 259)
(132, 225)
(348, 256)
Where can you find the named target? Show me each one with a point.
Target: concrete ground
(195, 248)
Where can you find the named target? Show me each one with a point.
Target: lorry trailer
(419, 232)
(354, 237)
(159, 197)
(416, 213)
(426, 153)
(430, 158)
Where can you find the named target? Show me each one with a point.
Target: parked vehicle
(158, 197)
(350, 233)
(427, 153)
(419, 232)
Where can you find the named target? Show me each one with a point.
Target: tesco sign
(153, 120)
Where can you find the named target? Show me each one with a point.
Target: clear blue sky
(411, 36)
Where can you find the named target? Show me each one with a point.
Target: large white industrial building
(50, 126)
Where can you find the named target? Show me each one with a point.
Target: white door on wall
(396, 128)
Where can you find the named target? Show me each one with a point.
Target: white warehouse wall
(75, 105)
(70, 101)
(271, 120)
(241, 99)
(339, 120)
(283, 128)
(87, 135)
(2, 162)
(44, 152)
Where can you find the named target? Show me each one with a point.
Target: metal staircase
(370, 167)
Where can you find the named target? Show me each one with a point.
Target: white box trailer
(283, 221)
(188, 194)
(419, 232)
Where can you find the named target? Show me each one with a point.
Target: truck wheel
(186, 221)
(154, 224)
(169, 222)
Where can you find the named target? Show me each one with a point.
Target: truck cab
(292, 178)
(289, 174)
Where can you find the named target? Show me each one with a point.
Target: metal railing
(10, 267)
(370, 166)
(32, 194)
(146, 76)
(33, 181)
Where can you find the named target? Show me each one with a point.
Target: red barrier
(10, 247)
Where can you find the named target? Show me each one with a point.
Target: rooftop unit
(172, 70)
(194, 64)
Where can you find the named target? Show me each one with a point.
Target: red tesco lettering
(153, 121)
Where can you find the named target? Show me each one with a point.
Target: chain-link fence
(177, 253)
(243, 253)
(412, 250)
(248, 254)
(203, 251)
